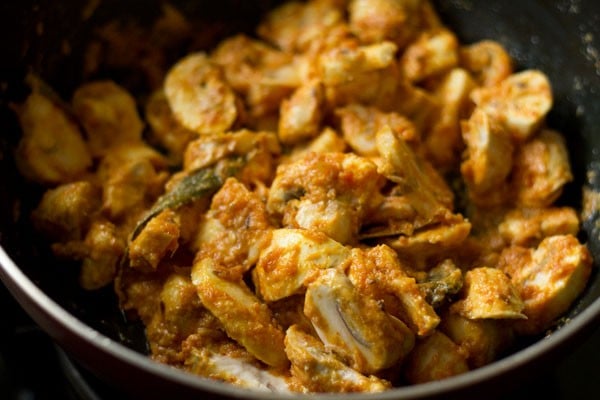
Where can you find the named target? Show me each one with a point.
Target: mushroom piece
(245, 318)
(292, 259)
(199, 96)
(354, 326)
(321, 371)
(234, 370)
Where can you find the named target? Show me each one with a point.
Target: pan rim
(28, 294)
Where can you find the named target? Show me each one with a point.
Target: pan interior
(555, 37)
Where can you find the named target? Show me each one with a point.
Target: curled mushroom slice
(245, 319)
(354, 326)
(393, 216)
(321, 371)
(520, 102)
(199, 96)
(428, 195)
(327, 141)
(261, 75)
(432, 241)
(293, 258)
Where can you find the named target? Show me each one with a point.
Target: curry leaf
(199, 183)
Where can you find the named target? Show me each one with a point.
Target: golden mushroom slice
(443, 141)
(376, 20)
(528, 226)
(483, 340)
(65, 212)
(358, 124)
(548, 278)
(434, 240)
(293, 26)
(435, 357)
(199, 96)
(260, 74)
(108, 114)
(432, 53)
(52, 149)
(327, 141)
(520, 102)
(321, 371)
(245, 319)
(360, 74)
(326, 192)
(354, 326)
(237, 371)
(292, 259)
(489, 151)
(378, 273)
(103, 248)
(301, 114)
(487, 61)
(427, 191)
(541, 169)
(157, 240)
(488, 293)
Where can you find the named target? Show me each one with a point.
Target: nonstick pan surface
(562, 38)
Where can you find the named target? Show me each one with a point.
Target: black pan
(560, 37)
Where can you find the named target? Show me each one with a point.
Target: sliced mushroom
(245, 319)
(292, 259)
(321, 371)
(354, 326)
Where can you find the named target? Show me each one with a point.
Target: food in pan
(348, 201)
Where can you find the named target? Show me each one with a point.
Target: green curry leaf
(202, 182)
